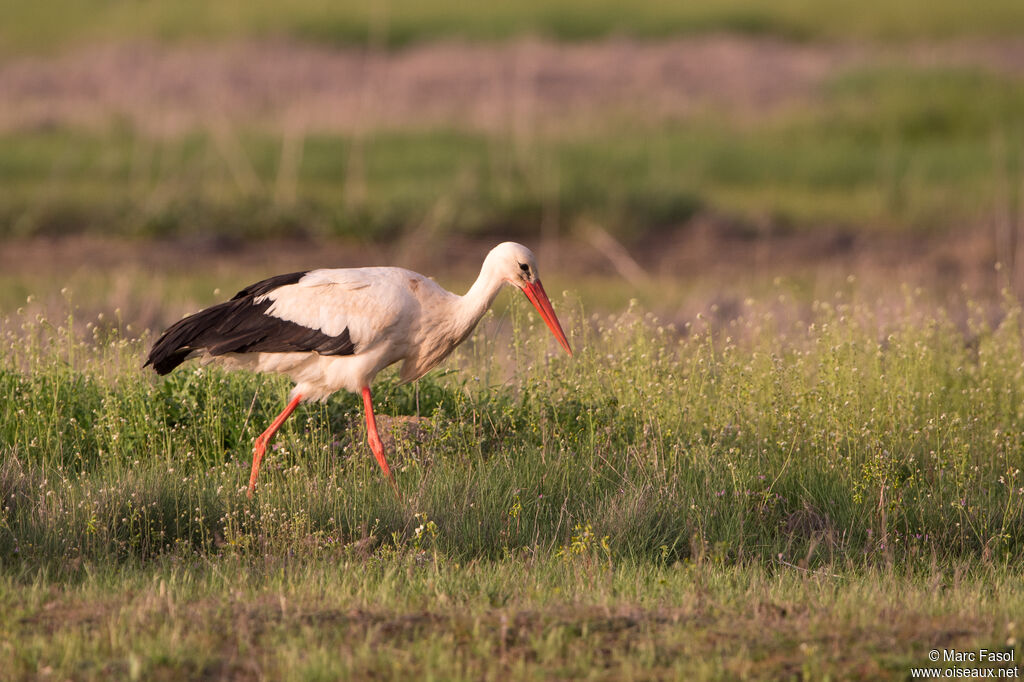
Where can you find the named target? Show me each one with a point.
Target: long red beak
(539, 299)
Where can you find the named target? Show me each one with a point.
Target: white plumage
(330, 329)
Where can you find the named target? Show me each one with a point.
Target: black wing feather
(241, 325)
(265, 286)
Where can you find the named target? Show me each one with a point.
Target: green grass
(773, 497)
(63, 183)
(886, 148)
(402, 616)
(67, 22)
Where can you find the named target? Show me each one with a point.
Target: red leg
(374, 438)
(259, 448)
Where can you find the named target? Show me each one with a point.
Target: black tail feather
(186, 336)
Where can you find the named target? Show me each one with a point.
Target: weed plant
(843, 440)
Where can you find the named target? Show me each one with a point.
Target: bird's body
(331, 329)
(371, 318)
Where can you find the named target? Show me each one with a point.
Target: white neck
(472, 306)
(451, 322)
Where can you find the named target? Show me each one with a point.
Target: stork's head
(516, 265)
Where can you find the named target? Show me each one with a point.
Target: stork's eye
(524, 267)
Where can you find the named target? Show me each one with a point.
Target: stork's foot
(259, 448)
(378, 451)
(373, 438)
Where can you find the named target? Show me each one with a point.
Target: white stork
(334, 329)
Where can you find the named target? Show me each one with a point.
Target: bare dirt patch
(702, 249)
(519, 86)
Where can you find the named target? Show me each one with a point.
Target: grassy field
(404, 617)
(849, 484)
(399, 22)
(805, 472)
(898, 149)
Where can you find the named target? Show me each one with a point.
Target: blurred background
(157, 156)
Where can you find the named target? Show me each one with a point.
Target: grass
(653, 506)
(891, 148)
(400, 22)
(873, 439)
(400, 617)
